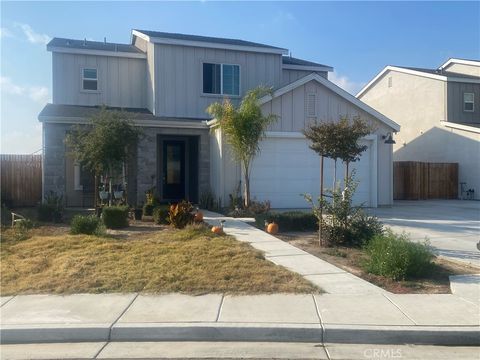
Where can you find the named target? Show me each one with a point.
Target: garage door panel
(286, 168)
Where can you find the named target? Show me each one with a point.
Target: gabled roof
(300, 64)
(94, 48)
(205, 41)
(339, 91)
(428, 73)
(460, 61)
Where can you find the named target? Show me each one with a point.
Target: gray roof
(82, 112)
(209, 39)
(440, 72)
(288, 60)
(92, 45)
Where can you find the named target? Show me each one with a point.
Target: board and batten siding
(122, 82)
(455, 91)
(291, 109)
(178, 77)
(289, 76)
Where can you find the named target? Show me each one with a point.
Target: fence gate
(21, 179)
(413, 180)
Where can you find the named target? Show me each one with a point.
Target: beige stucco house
(164, 82)
(439, 111)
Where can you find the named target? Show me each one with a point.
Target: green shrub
(395, 257)
(290, 220)
(21, 229)
(148, 209)
(363, 228)
(89, 225)
(51, 210)
(115, 217)
(160, 214)
(180, 215)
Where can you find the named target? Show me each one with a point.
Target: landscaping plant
(394, 256)
(161, 214)
(51, 210)
(115, 217)
(103, 146)
(87, 224)
(244, 127)
(180, 215)
(336, 140)
(21, 229)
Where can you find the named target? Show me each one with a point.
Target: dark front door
(173, 169)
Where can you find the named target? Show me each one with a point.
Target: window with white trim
(89, 79)
(468, 102)
(222, 79)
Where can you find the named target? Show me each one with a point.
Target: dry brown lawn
(192, 261)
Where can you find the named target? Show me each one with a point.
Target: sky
(357, 38)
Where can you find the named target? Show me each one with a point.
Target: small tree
(336, 140)
(102, 146)
(244, 127)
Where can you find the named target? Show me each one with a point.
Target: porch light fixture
(388, 138)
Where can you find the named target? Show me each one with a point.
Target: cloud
(32, 36)
(5, 33)
(282, 17)
(38, 94)
(345, 83)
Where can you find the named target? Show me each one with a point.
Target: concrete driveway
(452, 226)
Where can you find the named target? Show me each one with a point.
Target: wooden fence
(413, 180)
(21, 179)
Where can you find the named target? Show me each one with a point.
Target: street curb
(351, 334)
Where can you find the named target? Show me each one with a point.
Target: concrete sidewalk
(367, 318)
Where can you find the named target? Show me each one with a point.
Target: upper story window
(89, 79)
(222, 79)
(468, 102)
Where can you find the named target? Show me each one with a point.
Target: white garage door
(286, 168)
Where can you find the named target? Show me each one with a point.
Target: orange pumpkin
(272, 228)
(217, 230)
(198, 216)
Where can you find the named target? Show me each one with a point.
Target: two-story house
(439, 111)
(165, 81)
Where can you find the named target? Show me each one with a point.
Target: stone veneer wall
(147, 157)
(144, 166)
(54, 158)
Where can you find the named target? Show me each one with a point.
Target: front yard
(142, 258)
(436, 281)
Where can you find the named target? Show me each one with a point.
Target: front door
(173, 169)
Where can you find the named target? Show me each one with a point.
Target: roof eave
(307, 67)
(205, 44)
(125, 54)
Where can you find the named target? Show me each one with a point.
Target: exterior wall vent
(311, 108)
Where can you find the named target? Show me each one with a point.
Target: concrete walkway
(452, 226)
(352, 310)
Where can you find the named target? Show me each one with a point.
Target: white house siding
(464, 69)
(121, 81)
(178, 76)
(150, 67)
(292, 119)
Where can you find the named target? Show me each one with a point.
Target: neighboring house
(439, 111)
(165, 81)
